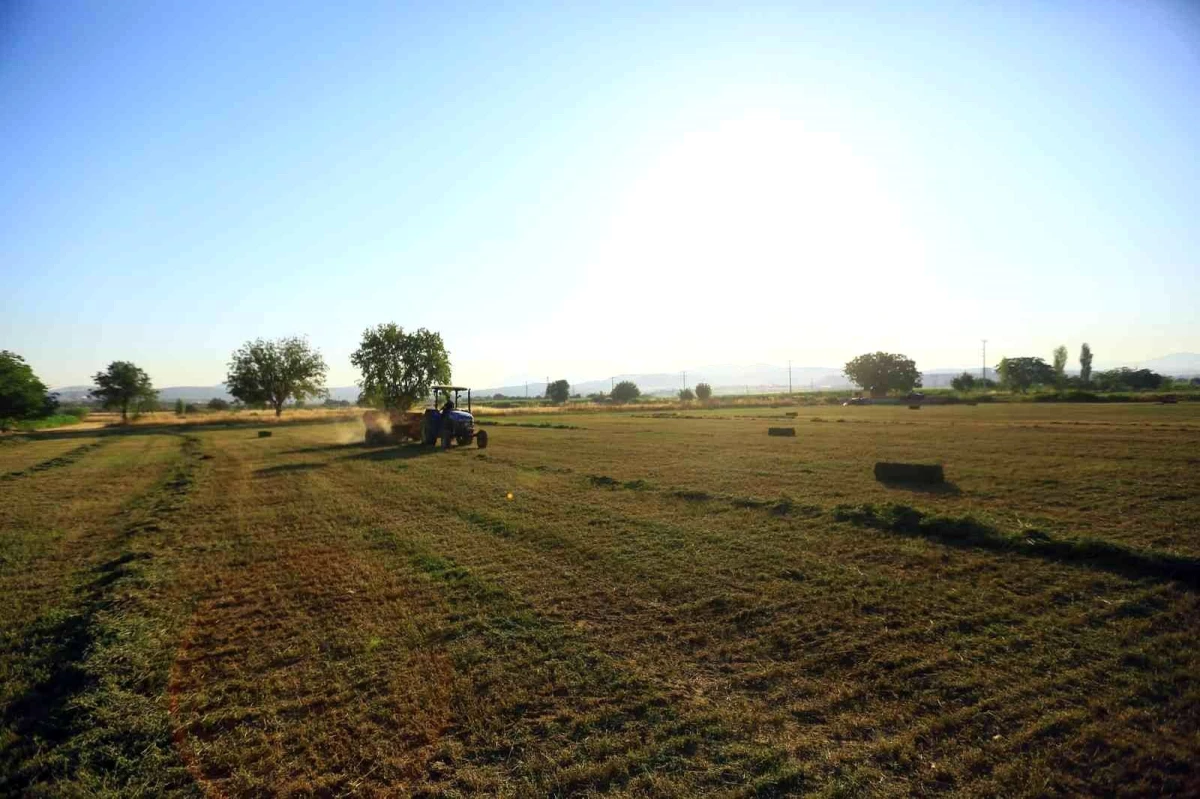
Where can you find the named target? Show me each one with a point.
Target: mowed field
(666, 606)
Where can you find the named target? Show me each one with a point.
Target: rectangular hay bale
(925, 473)
(781, 431)
(264, 433)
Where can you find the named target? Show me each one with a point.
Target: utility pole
(983, 371)
(685, 378)
(789, 375)
(526, 389)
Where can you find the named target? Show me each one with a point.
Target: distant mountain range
(725, 379)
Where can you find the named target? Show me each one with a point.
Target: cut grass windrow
(91, 715)
(66, 459)
(966, 531)
(547, 690)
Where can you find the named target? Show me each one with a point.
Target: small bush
(80, 412)
(57, 420)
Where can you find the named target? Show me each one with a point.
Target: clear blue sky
(593, 190)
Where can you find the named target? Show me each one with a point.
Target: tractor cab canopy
(443, 393)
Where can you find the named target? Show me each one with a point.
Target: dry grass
(666, 606)
(290, 415)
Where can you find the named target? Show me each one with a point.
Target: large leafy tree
(559, 391)
(123, 385)
(22, 395)
(626, 391)
(399, 368)
(270, 372)
(881, 372)
(1085, 364)
(1019, 374)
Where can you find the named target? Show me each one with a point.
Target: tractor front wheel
(481, 439)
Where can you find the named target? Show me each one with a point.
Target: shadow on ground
(284, 468)
(947, 488)
(402, 452)
(157, 429)
(964, 531)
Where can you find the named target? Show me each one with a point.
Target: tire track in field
(66, 459)
(87, 697)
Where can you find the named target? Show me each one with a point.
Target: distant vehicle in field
(857, 401)
(444, 420)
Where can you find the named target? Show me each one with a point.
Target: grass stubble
(667, 606)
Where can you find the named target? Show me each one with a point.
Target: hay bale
(924, 473)
(781, 431)
(914, 407)
(264, 433)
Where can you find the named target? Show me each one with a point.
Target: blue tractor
(449, 422)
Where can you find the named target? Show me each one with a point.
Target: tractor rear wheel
(429, 432)
(481, 439)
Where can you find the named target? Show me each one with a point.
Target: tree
(964, 382)
(626, 391)
(559, 391)
(882, 372)
(218, 404)
(265, 372)
(1128, 379)
(121, 385)
(1019, 374)
(399, 368)
(179, 409)
(1085, 364)
(22, 395)
(703, 392)
(686, 395)
(1060, 367)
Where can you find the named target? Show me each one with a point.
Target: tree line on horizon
(399, 368)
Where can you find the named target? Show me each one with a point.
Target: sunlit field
(650, 603)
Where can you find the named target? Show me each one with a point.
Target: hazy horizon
(589, 192)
